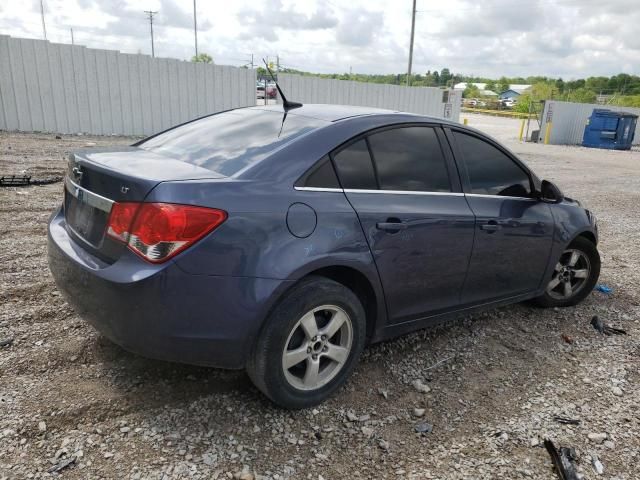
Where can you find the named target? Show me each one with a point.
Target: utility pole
(277, 65)
(195, 26)
(151, 14)
(44, 27)
(413, 29)
(72, 42)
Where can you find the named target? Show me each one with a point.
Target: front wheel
(309, 345)
(574, 276)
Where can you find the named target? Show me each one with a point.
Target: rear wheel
(309, 345)
(574, 276)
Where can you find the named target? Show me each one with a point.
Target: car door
(407, 195)
(514, 229)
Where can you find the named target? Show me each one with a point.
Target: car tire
(584, 256)
(297, 366)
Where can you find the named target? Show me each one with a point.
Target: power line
(151, 14)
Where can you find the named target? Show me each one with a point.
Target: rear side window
(410, 159)
(322, 175)
(355, 168)
(491, 172)
(229, 142)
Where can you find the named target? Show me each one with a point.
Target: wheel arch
(588, 234)
(360, 279)
(358, 283)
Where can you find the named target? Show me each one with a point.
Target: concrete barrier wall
(50, 87)
(569, 119)
(431, 101)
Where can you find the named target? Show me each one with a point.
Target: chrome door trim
(403, 192)
(85, 196)
(318, 189)
(482, 195)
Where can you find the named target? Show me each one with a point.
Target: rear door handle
(491, 226)
(391, 226)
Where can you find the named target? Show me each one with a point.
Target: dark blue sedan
(284, 244)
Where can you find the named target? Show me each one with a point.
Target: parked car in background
(269, 89)
(284, 242)
(508, 102)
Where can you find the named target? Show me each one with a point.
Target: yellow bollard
(465, 121)
(547, 133)
(521, 130)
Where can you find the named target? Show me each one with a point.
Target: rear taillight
(158, 231)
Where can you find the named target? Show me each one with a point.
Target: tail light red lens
(158, 231)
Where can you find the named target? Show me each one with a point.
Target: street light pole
(151, 14)
(413, 28)
(195, 26)
(44, 27)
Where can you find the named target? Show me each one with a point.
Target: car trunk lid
(98, 178)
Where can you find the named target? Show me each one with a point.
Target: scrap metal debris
(567, 339)
(26, 180)
(566, 420)
(601, 287)
(563, 461)
(602, 327)
(62, 464)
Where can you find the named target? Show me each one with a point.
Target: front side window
(410, 159)
(355, 168)
(491, 172)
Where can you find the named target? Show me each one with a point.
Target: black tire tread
(263, 365)
(591, 250)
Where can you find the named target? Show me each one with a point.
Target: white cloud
(565, 38)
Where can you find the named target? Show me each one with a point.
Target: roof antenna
(286, 104)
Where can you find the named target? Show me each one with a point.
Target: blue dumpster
(608, 129)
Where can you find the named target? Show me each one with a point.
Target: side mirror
(550, 193)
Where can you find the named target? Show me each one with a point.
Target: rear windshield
(229, 142)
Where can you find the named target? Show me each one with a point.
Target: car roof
(334, 113)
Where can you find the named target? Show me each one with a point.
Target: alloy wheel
(318, 347)
(570, 274)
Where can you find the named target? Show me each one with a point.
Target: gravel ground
(490, 384)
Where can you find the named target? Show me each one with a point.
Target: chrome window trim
(318, 189)
(85, 196)
(403, 192)
(483, 195)
(410, 192)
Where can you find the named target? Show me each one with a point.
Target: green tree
(492, 86)
(471, 91)
(502, 84)
(582, 95)
(445, 76)
(202, 58)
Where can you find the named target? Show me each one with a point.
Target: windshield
(231, 141)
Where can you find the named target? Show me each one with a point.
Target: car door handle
(491, 226)
(391, 226)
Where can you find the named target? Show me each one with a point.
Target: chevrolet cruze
(283, 241)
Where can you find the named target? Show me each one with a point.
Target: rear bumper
(159, 311)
